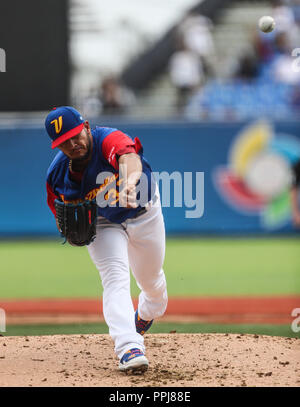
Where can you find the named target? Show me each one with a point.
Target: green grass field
(158, 327)
(193, 267)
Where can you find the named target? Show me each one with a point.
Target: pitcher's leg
(109, 253)
(146, 256)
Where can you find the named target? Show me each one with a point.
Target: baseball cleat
(141, 325)
(134, 361)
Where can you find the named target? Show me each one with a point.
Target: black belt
(141, 211)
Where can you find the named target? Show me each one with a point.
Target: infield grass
(159, 327)
(193, 267)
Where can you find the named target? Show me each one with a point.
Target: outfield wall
(224, 152)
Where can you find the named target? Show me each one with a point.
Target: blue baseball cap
(62, 123)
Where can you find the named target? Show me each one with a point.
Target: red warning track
(213, 309)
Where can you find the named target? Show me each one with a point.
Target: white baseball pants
(139, 244)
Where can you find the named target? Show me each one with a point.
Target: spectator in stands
(247, 68)
(282, 65)
(283, 15)
(186, 74)
(282, 44)
(115, 99)
(264, 46)
(285, 35)
(195, 32)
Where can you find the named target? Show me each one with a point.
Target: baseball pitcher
(102, 193)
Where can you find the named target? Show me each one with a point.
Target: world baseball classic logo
(2, 60)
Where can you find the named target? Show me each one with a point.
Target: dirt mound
(175, 360)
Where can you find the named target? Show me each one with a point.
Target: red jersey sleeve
(117, 144)
(51, 198)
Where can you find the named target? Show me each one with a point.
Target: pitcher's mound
(174, 360)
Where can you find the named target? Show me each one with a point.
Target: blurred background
(205, 91)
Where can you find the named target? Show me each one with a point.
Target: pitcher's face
(77, 147)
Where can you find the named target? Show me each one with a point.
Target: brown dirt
(175, 360)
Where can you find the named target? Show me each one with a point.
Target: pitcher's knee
(155, 289)
(115, 279)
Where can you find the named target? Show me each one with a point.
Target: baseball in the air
(266, 24)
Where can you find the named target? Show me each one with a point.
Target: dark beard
(79, 164)
(86, 156)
